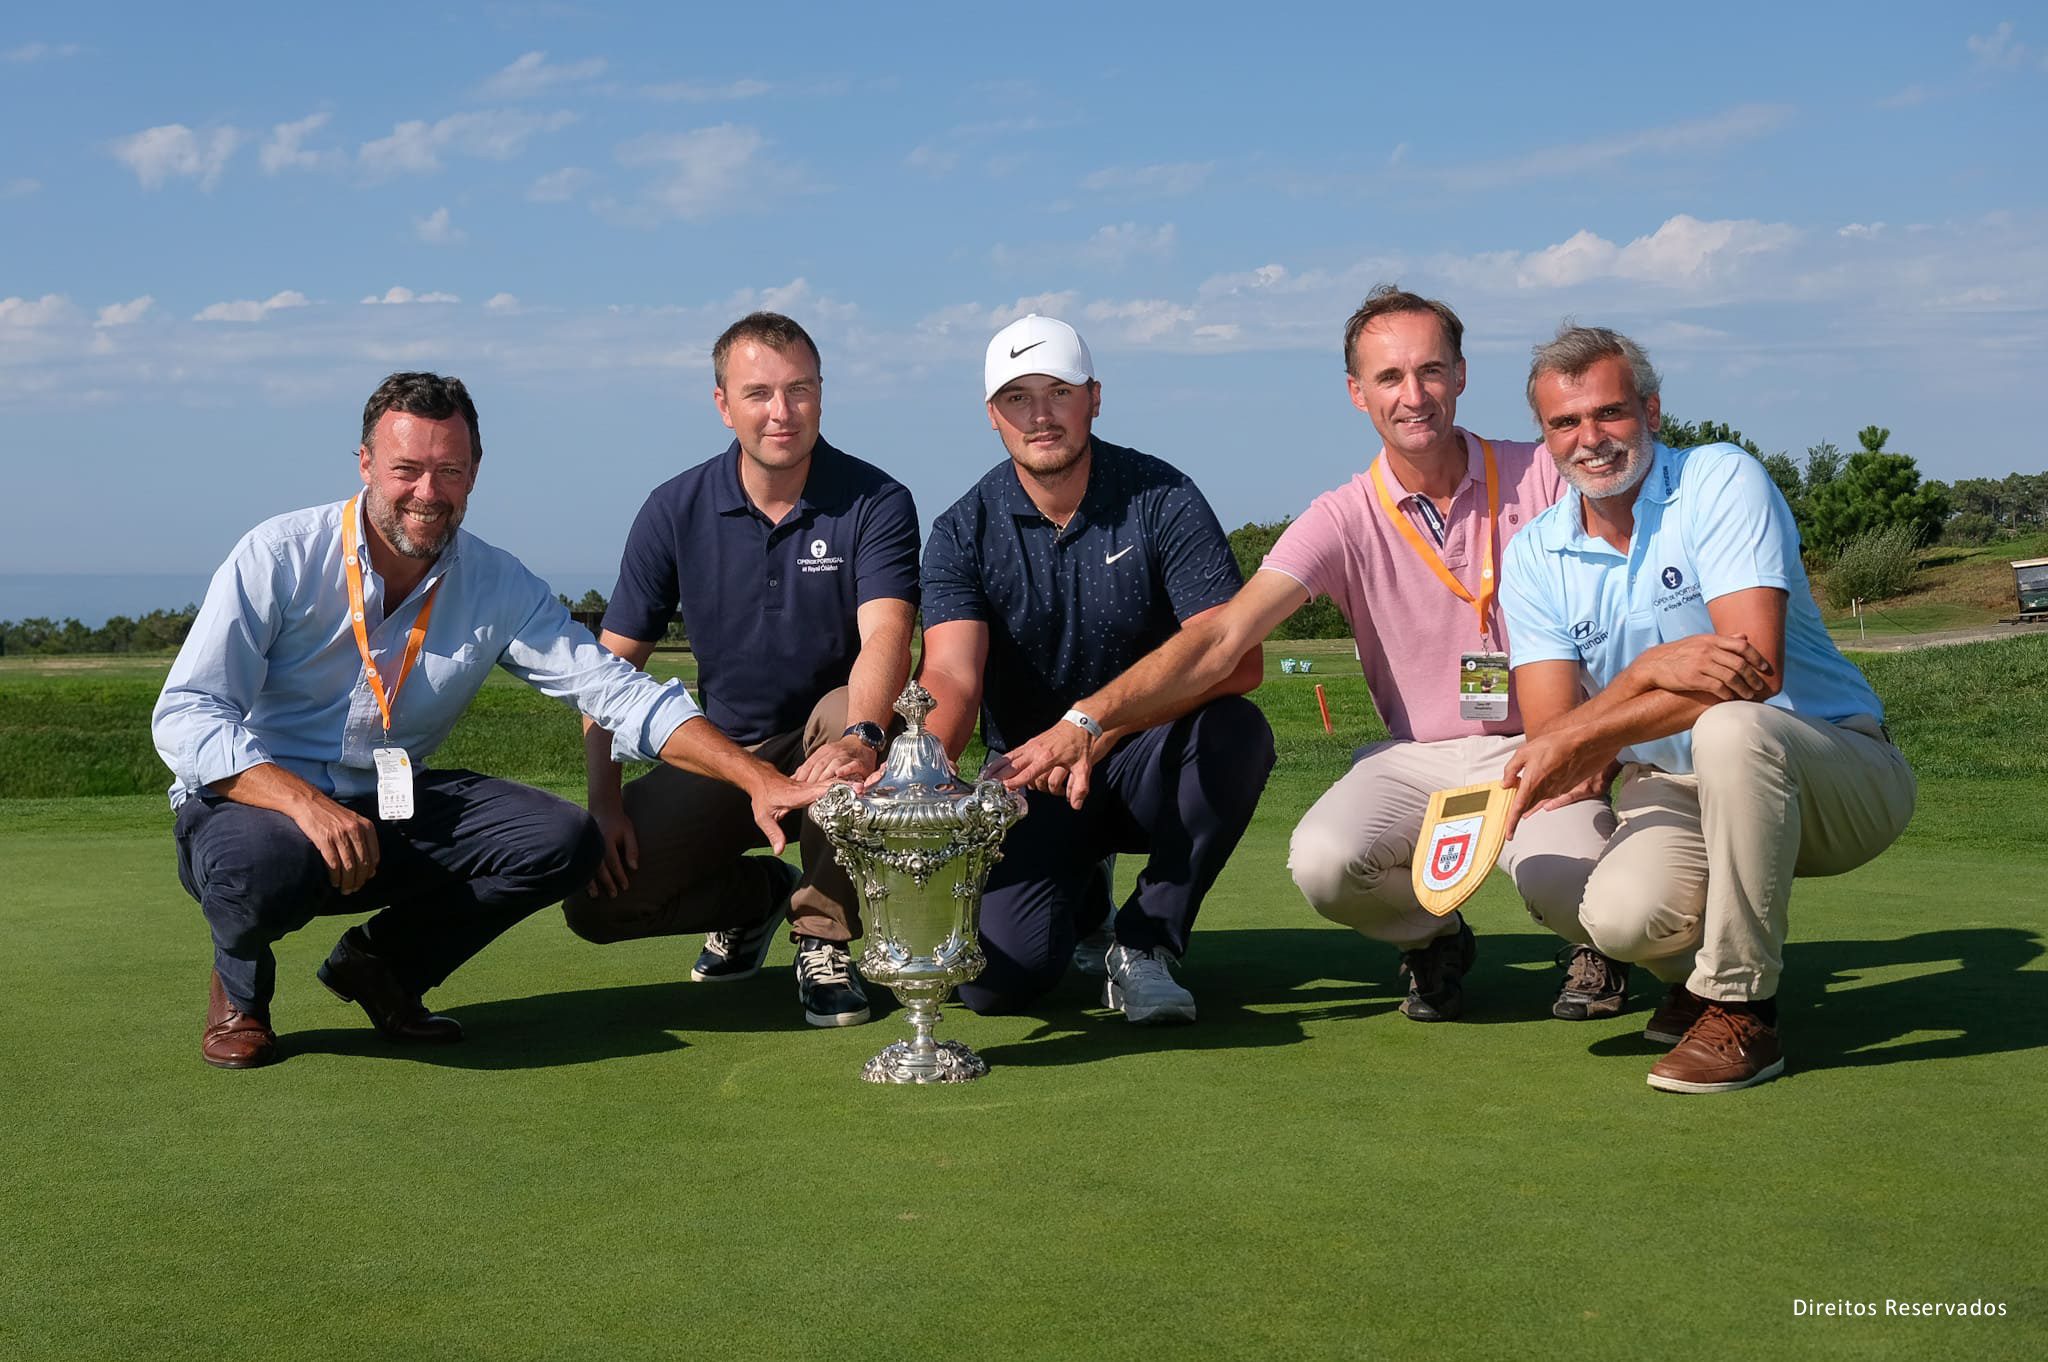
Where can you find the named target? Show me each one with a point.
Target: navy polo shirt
(770, 609)
(1069, 611)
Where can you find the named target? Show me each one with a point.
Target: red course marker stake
(1323, 701)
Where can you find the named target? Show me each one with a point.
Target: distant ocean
(93, 598)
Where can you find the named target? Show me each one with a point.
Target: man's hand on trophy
(1056, 762)
(776, 796)
(847, 759)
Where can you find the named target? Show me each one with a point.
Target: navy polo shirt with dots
(770, 609)
(1068, 611)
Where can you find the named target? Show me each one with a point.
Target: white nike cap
(1036, 345)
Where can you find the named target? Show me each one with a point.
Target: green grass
(616, 1165)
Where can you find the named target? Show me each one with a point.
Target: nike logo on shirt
(1109, 558)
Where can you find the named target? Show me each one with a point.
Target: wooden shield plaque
(1461, 838)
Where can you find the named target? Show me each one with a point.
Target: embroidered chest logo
(821, 560)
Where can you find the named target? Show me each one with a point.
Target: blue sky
(220, 227)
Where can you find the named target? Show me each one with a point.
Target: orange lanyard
(1483, 602)
(413, 640)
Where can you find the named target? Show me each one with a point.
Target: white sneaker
(1091, 951)
(1141, 986)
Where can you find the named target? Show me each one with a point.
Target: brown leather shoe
(1726, 1049)
(1674, 1016)
(354, 975)
(235, 1040)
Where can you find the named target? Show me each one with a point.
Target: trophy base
(948, 1061)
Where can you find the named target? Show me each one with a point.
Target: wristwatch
(870, 734)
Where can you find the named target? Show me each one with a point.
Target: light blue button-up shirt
(271, 671)
(1709, 521)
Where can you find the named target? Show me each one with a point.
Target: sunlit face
(417, 475)
(1601, 434)
(1404, 376)
(770, 399)
(1045, 422)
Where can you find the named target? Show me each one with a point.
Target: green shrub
(1873, 566)
(1969, 527)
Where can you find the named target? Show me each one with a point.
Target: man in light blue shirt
(1667, 585)
(336, 649)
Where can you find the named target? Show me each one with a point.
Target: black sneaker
(828, 984)
(1436, 976)
(1594, 986)
(731, 956)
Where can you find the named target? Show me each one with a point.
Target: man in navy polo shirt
(794, 569)
(1056, 571)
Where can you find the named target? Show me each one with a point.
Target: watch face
(868, 733)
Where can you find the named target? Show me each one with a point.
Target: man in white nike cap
(1057, 570)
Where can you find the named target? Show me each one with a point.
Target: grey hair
(1576, 349)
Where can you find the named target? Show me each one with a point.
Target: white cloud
(931, 160)
(1182, 177)
(247, 310)
(558, 186)
(29, 52)
(43, 311)
(1118, 243)
(1682, 253)
(501, 302)
(398, 294)
(176, 151)
(1140, 321)
(1744, 123)
(20, 189)
(697, 173)
(415, 147)
(1860, 229)
(532, 75)
(125, 314)
(285, 149)
(1999, 50)
(692, 92)
(436, 230)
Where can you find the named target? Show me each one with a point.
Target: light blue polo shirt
(1709, 521)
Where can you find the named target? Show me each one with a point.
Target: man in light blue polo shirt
(1668, 585)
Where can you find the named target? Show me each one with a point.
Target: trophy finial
(913, 705)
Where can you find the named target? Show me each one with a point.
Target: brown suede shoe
(354, 975)
(1725, 1050)
(1674, 1016)
(235, 1040)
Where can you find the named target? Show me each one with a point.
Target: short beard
(391, 524)
(1645, 451)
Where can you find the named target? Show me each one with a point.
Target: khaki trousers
(695, 875)
(1352, 851)
(1695, 881)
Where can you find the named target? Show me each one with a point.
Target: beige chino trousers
(1695, 881)
(1351, 853)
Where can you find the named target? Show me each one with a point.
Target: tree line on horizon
(1862, 518)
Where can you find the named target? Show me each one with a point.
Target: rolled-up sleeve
(200, 723)
(558, 657)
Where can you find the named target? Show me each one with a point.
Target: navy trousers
(1183, 792)
(477, 855)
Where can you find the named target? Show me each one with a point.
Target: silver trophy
(919, 845)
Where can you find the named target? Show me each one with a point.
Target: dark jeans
(1183, 792)
(477, 855)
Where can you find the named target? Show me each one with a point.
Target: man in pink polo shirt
(1410, 549)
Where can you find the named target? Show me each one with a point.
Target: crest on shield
(1461, 839)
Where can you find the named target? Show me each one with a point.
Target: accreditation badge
(1483, 687)
(1461, 839)
(394, 783)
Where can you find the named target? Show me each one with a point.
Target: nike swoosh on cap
(1033, 346)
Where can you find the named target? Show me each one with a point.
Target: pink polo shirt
(1410, 629)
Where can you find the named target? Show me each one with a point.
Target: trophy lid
(916, 769)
